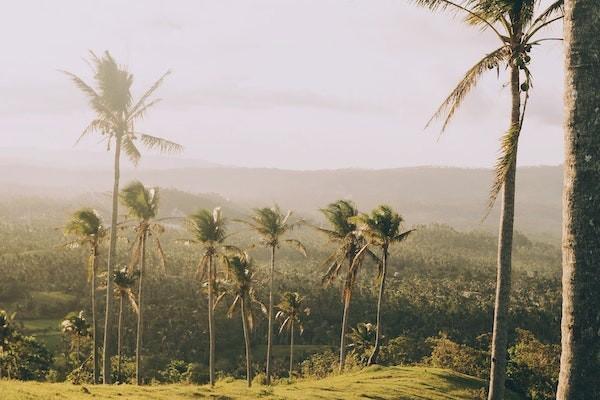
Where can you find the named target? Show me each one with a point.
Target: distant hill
(455, 196)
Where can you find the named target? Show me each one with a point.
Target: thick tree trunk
(140, 319)
(291, 350)
(112, 255)
(211, 322)
(504, 266)
(270, 323)
(579, 377)
(247, 343)
(375, 353)
(120, 337)
(95, 344)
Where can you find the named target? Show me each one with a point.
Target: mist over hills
(455, 196)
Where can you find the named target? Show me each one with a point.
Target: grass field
(383, 383)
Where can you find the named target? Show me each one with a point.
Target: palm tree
(86, 226)
(76, 326)
(381, 228)
(242, 273)
(124, 282)
(516, 25)
(579, 364)
(362, 341)
(290, 313)
(343, 232)
(116, 115)
(142, 204)
(208, 230)
(271, 224)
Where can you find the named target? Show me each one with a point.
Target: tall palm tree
(516, 24)
(142, 204)
(76, 326)
(241, 270)
(86, 226)
(271, 225)
(124, 280)
(381, 228)
(116, 115)
(580, 359)
(343, 232)
(208, 230)
(291, 315)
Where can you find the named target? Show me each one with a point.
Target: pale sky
(301, 84)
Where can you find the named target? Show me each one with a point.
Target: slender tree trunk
(95, 344)
(504, 264)
(120, 337)
(140, 319)
(112, 255)
(291, 350)
(270, 324)
(347, 295)
(579, 377)
(211, 322)
(77, 349)
(375, 353)
(247, 343)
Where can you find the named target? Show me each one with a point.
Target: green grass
(382, 383)
(45, 330)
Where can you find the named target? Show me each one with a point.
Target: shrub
(319, 365)
(458, 357)
(533, 367)
(402, 350)
(174, 372)
(259, 379)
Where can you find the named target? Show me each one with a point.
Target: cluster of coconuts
(521, 60)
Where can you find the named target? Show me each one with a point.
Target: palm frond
(551, 12)
(142, 101)
(163, 145)
(506, 160)
(130, 149)
(296, 244)
(451, 104)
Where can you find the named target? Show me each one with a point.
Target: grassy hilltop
(398, 383)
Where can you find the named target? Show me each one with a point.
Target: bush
(25, 358)
(319, 365)
(259, 379)
(402, 350)
(533, 367)
(196, 373)
(458, 357)
(174, 372)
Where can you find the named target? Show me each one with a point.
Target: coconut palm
(208, 230)
(343, 232)
(362, 341)
(116, 115)
(86, 226)
(76, 326)
(142, 205)
(124, 281)
(271, 225)
(242, 275)
(381, 228)
(580, 364)
(516, 24)
(291, 315)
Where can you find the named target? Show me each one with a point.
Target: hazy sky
(301, 84)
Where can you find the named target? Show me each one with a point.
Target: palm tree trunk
(247, 343)
(140, 319)
(211, 323)
(504, 263)
(270, 324)
(120, 337)
(95, 344)
(347, 296)
(112, 255)
(291, 349)
(77, 348)
(375, 353)
(580, 362)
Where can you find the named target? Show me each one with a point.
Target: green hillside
(398, 383)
